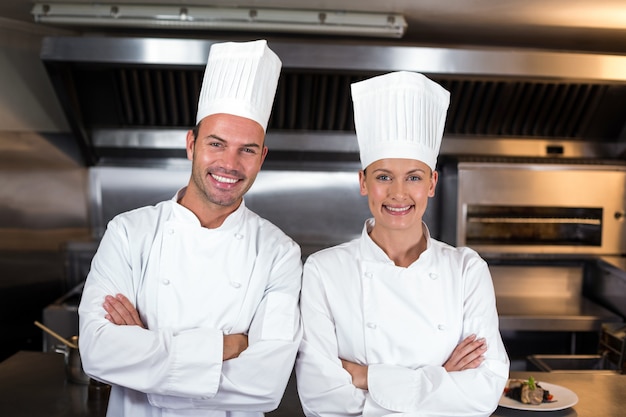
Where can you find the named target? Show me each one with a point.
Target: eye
(249, 150)
(414, 178)
(216, 144)
(383, 177)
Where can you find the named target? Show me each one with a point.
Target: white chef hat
(399, 115)
(240, 79)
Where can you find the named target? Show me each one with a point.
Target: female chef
(396, 322)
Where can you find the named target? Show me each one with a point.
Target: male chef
(191, 306)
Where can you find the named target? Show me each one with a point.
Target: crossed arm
(122, 312)
(467, 355)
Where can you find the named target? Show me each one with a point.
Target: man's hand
(234, 344)
(357, 372)
(120, 311)
(467, 355)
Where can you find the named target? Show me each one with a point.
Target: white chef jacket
(191, 285)
(403, 323)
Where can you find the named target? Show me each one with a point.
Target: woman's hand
(467, 355)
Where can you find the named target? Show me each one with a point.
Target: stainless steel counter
(599, 394)
(33, 384)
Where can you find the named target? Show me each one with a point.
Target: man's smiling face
(226, 156)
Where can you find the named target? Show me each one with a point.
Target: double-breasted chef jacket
(403, 323)
(192, 285)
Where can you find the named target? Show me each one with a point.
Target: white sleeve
(256, 380)
(433, 391)
(184, 363)
(324, 386)
(185, 369)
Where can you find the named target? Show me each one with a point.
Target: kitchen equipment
(71, 344)
(613, 345)
(134, 98)
(98, 392)
(535, 208)
(73, 364)
(542, 225)
(62, 314)
(610, 357)
(570, 363)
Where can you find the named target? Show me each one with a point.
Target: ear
(362, 185)
(190, 144)
(433, 184)
(264, 154)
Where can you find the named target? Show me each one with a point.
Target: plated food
(527, 391)
(561, 397)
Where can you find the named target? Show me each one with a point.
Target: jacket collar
(233, 220)
(372, 252)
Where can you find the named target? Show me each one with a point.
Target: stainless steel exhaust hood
(134, 97)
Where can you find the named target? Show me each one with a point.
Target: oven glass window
(528, 225)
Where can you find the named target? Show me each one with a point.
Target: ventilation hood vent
(135, 97)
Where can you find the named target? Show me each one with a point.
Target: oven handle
(536, 220)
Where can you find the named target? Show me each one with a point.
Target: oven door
(554, 209)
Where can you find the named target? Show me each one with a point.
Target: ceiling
(577, 25)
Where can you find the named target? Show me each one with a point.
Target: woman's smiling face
(397, 191)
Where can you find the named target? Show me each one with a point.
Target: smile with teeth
(219, 178)
(398, 209)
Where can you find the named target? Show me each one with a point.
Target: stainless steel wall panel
(316, 208)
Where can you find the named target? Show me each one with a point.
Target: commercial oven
(543, 226)
(531, 208)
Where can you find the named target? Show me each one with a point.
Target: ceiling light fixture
(322, 22)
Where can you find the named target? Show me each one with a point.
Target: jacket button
(433, 276)
(166, 282)
(371, 325)
(170, 231)
(441, 327)
(238, 236)
(235, 284)
(368, 275)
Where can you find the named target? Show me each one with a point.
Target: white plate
(563, 398)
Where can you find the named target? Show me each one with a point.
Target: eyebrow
(413, 171)
(215, 137)
(417, 170)
(247, 145)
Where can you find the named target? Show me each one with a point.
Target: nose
(230, 158)
(397, 190)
